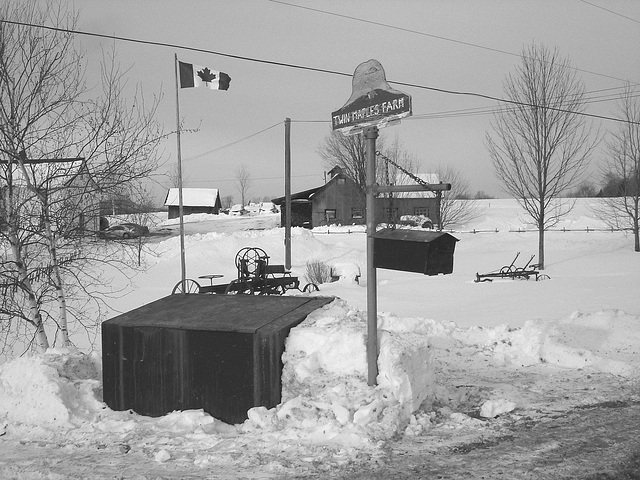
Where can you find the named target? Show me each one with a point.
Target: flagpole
(180, 204)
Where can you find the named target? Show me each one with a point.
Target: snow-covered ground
(457, 358)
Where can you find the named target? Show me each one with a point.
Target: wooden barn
(194, 200)
(341, 202)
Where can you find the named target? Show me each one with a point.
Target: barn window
(341, 181)
(330, 213)
(357, 213)
(421, 211)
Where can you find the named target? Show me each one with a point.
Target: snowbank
(325, 394)
(328, 412)
(438, 368)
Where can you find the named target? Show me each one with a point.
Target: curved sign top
(372, 103)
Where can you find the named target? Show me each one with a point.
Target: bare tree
(622, 168)
(584, 190)
(542, 144)
(455, 206)
(348, 153)
(388, 172)
(244, 181)
(227, 201)
(60, 151)
(174, 175)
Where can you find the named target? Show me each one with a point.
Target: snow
(198, 197)
(449, 349)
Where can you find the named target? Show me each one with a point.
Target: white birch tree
(61, 149)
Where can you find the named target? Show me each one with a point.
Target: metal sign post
(370, 135)
(373, 104)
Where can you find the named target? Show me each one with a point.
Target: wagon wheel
(506, 270)
(240, 254)
(541, 277)
(186, 286)
(311, 287)
(252, 261)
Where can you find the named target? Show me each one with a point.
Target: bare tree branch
(621, 207)
(47, 115)
(541, 145)
(244, 181)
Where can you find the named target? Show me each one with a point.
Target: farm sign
(372, 103)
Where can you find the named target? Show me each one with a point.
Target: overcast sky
(456, 45)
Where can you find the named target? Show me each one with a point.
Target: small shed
(221, 353)
(429, 253)
(194, 200)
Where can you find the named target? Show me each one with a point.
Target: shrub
(318, 272)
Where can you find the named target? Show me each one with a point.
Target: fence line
(524, 230)
(349, 231)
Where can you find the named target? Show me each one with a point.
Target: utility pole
(370, 135)
(287, 193)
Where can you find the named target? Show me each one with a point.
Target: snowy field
(458, 359)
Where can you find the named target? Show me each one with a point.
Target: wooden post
(287, 193)
(370, 135)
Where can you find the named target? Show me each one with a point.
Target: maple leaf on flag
(206, 75)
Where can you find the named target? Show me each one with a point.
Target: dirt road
(597, 442)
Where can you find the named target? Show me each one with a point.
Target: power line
(314, 69)
(430, 35)
(174, 45)
(515, 102)
(253, 178)
(490, 110)
(199, 155)
(610, 11)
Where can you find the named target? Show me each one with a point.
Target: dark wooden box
(416, 251)
(221, 353)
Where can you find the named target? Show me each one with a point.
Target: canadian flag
(197, 76)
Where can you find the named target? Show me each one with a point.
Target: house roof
(431, 178)
(306, 195)
(299, 196)
(193, 197)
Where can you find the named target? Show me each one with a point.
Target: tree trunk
(57, 279)
(636, 222)
(541, 242)
(35, 318)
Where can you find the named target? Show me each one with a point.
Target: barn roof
(299, 196)
(193, 197)
(305, 196)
